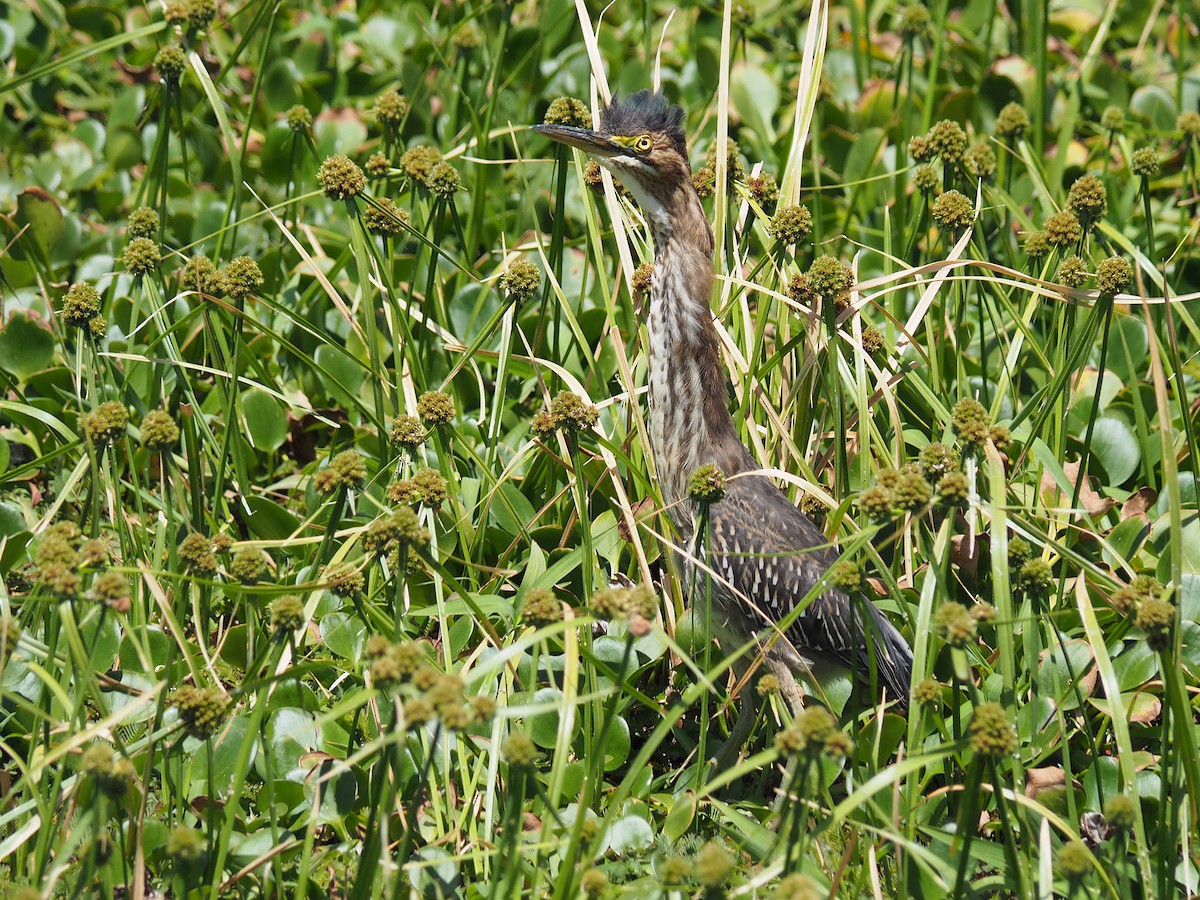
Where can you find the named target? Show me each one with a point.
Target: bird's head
(640, 140)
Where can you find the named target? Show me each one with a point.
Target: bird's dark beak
(584, 138)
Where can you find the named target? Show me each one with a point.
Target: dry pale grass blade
(811, 64)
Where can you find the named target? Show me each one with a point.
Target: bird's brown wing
(772, 555)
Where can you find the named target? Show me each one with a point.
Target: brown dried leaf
(967, 555)
(1044, 778)
(1092, 502)
(1138, 503)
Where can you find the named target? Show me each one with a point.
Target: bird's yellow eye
(642, 143)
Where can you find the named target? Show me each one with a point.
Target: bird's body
(765, 555)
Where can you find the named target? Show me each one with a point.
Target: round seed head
(768, 686)
(248, 565)
(143, 222)
(799, 887)
(980, 161)
(242, 277)
(1144, 162)
(435, 408)
(1088, 199)
(1073, 272)
(568, 111)
(170, 63)
(106, 423)
(202, 710)
(1121, 812)
(378, 165)
(970, 421)
(1036, 576)
(1012, 121)
(390, 110)
(141, 256)
(407, 432)
(763, 189)
(299, 119)
(926, 179)
(955, 624)
(1188, 125)
(1063, 229)
(953, 489)
(594, 883)
(704, 181)
(417, 161)
(915, 22)
(541, 607)
(520, 281)
(386, 219)
(340, 177)
(707, 485)
(1156, 619)
(876, 502)
(928, 692)
(991, 734)
(519, 750)
(920, 149)
(872, 340)
(1074, 861)
(829, 277)
(791, 225)
(443, 179)
(714, 865)
(642, 279)
(200, 13)
(953, 212)
(287, 614)
(1037, 245)
(185, 846)
(1112, 119)
(948, 141)
(81, 304)
(1113, 275)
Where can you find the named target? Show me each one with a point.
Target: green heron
(765, 556)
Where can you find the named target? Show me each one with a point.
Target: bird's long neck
(690, 423)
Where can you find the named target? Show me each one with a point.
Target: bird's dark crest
(644, 112)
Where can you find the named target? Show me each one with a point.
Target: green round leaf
(26, 345)
(630, 834)
(344, 635)
(616, 744)
(265, 420)
(1116, 446)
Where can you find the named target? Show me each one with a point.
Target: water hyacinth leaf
(101, 635)
(264, 419)
(755, 94)
(1135, 666)
(543, 725)
(630, 834)
(682, 814)
(151, 640)
(1116, 447)
(344, 635)
(1067, 673)
(1188, 598)
(290, 734)
(617, 744)
(227, 746)
(270, 521)
(344, 376)
(12, 520)
(26, 345)
(39, 218)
